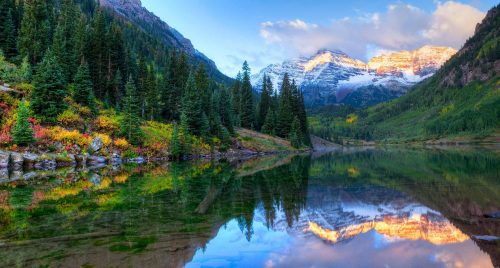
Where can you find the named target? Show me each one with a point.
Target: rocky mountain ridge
(135, 12)
(332, 76)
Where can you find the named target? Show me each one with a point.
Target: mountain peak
(331, 51)
(326, 56)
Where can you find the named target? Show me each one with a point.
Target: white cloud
(401, 26)
(452, 23)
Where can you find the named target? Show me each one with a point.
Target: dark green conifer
(131, 123)
(296, 134)
(84, 93)
(191, 107)
(246, 100)
(47, 98)
(23, 133)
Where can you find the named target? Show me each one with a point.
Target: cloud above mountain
(401, 26)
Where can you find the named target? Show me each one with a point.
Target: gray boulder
(4, 159)
(81, 159)
(46, 162)
(17, 160)
(115, 159)
(96, 144)
(30, 160)
(66, 160)
(96, 160)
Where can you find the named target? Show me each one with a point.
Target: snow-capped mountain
(331, 76)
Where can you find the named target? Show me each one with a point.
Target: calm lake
(353, 208)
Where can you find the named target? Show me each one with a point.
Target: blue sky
(265, 32)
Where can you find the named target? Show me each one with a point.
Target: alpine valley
(332, 76)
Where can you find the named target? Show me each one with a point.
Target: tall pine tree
(247, 116)
(284, 115)
(265, 103)
(192, 106)
(47, 98)
(35, 33)
(84, 93)
(131, 124)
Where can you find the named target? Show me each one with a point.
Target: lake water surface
(352, 208)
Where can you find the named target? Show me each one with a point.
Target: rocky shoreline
(50, 161)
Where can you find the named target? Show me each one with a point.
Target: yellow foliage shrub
(121, 144)
(106, 140)
(107, 124)
(69, 118)
(68, 137)
(351, 119)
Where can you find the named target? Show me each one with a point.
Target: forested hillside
(73, 70)
(461, 100)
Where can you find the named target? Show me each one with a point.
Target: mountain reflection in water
(412, 208)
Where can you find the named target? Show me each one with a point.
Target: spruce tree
(236, 100)
(203, 85)
(8, 46)
(152, 98)
(23, 133)
(96, 54)
(225, 110)
(296, 134)
(246, 100)
(84, 93)
(47, 98)
(175, 143)
(265, 103)
(205, 128)
(25, 71)
(185, 136)
(35, 33)
(269, 126)
(191, 107)
(131, 123)
(284, 115)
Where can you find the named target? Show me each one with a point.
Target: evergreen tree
(25, 71)
(269, 126)
(236, 100)
(8, 40)
(265, 103)
(118, 88)
(203, 85)
(225, 109)
(35, 32)
(185, 136)
(23, 133)
(246, 100)
(175, 143)
(84, 94)
(47, 98)
(284, 116)
(153, 97)
(96, 54)
(61, 52)
(296, 134)
(131, 124)
(191, 107)
(205, 128)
